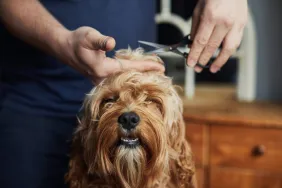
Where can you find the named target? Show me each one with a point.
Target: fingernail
(104, 43)
(214, 69)
(107, 46)
(198, 69)
(191, 62)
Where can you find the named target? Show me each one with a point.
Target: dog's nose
(128, 120)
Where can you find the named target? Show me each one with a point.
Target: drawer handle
(258, 150)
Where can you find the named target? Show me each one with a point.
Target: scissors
(160, 48)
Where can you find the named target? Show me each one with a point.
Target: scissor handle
(186, 40)
(185, 55)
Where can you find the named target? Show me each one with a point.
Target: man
(54, 51)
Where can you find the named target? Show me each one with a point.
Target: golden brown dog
(132, 133)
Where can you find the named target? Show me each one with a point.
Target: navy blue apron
(40, 96)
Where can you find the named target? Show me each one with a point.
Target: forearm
(32, 23)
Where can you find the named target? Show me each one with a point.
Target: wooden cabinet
(243, 147)
(197, 141)
(235, 144)
(224, 177)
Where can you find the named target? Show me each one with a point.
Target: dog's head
(131, 127)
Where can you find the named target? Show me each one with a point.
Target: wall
(268, 21)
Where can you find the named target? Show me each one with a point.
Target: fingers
(214, 42)
(215, 22)
(111, 66)
(116, 65)
(200, 41)
(107, 43)
(230, 45)
(96, 41)
(195, 20)
(195, 25)
(143, 66)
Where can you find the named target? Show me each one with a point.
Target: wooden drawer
(237, 178)
(200, 175)
(196, 136)
(245, 147)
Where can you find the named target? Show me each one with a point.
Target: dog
(132, 133)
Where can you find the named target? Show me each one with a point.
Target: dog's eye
(109, 100)
(150, 100)
(154, 101)
(147, 102)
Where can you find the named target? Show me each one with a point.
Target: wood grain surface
(240, 178)
(245, 147)
(218, 104)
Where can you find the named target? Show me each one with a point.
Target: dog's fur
(163, 159)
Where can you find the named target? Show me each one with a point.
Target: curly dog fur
(163, 157)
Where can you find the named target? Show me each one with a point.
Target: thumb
(97, 41)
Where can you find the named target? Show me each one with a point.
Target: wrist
(60, 44)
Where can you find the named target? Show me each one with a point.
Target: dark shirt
(35, 83)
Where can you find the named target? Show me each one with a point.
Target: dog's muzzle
(128, 121)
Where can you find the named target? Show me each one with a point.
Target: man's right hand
(84, 49)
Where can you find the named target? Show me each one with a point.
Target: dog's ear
(77, 174)
(182, 155)
(184, 162)
(173, 112)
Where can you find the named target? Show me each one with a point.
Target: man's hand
(84, 49)
(215, 22)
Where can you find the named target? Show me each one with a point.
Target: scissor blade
(152, 44)
(158, 51)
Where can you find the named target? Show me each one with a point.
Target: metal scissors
(160, 48)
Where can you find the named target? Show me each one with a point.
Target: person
(54, 51)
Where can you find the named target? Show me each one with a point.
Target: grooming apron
(40, 96)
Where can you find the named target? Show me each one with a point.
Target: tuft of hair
(131, 165)
(137, 54)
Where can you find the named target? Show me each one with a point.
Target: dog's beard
(133, 166)
(130, 165)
